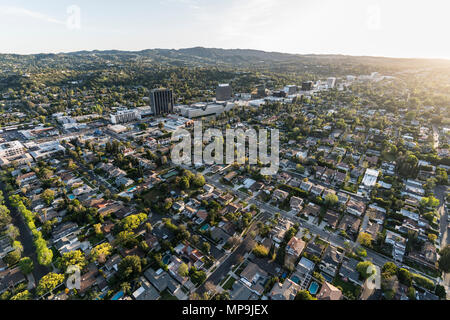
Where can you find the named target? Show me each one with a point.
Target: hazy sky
(397, 28)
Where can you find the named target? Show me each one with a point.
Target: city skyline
(361, 28)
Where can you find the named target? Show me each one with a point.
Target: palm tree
(125, 286)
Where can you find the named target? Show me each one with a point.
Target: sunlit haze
(401, 28)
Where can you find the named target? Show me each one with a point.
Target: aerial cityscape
(223, 174)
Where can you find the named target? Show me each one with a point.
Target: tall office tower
(331, 82)
(307, 85)
(161, 101)
(261, 90)
(223, 92)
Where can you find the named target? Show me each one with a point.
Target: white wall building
(11, 149)
(204, 109)
(124, 116)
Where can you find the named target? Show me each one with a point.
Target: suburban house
(329, 292)
(285, 291)
(296, 203)
(356, 207)
(254, 278)
(348, 271)
(350, 224)
(295, 246)
(331, 260)
(332, 218)
(280, 195)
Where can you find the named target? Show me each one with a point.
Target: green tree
(198, 180)
(429, 202)
(197, 276)
(404, 276)
(130, 266)
(49, 282)
(206, 247)
(126, 287)
(5, 217)
(133, 221)
(48, 196)
(13, 232)
(24, 295)
(184, 183)
(388, 270)
(365, 269)
(411, 293)
(331, 199)
(183, 270)
(365, 239)
(26, 265)
(444, 260)
(260, 251)
(126, 239)
(100, 252)
(304, 295)
(300, 168)
(13, 257)
(72, 258)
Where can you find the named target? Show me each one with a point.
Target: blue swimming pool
(118, 295)
(166, 259)
(71, 196)
(295, 279)
(131, 189)
(313, 287)
(101, 296)
(205, 227)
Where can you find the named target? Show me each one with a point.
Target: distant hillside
(311, 66)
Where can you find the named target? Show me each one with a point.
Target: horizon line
(260, 50)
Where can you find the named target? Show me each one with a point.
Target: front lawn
(165, 295)
(349, 290)
(229, 284)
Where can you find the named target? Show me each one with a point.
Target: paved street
(439, 192)
(25, 238)
(333, 238)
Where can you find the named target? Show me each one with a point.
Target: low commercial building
(11, 149)
(44, 150)
(124, 116)
(204, 109)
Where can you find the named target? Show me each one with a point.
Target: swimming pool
(131, 189)
(118, 295)
(71, 196)
(295, 279)
(205, 227)
(313, 287)
(166, 259)
(101, 296)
